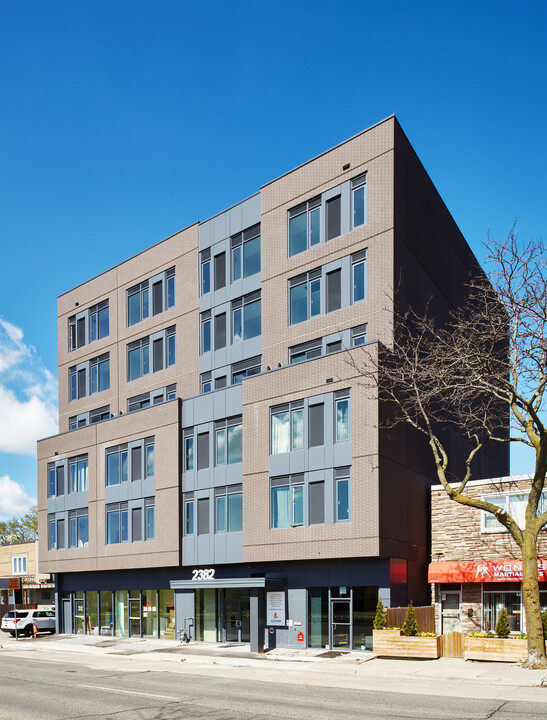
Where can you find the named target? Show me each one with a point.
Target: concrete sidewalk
(452, 677)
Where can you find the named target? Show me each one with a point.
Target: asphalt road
(33, 689)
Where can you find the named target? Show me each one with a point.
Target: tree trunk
(530, 599)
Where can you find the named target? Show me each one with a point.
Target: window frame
(90, 318)
(147, 296)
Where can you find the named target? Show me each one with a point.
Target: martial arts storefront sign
(469, 571)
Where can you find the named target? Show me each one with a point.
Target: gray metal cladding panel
(280, 464)
(342, 454)
(189, 551)
(234, 547)
(234, 473)
(220, 549)
(205, 549)
(316, 458)
(203, 408)
(184, 609)
(298, 461)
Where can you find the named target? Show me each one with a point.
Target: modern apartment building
(220, 470)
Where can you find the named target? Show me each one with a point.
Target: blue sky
(123, 122)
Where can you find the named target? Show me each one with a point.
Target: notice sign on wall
(275, 608)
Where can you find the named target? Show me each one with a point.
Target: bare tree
(481, 370)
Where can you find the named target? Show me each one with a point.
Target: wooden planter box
(495, 649)
(392, 643)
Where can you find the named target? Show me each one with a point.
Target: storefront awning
(248, 582)
(481, 571)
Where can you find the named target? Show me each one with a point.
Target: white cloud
(28, 394)
(14, 501)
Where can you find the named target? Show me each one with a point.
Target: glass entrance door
(236, 620)
(341, 624)
(135, 617)
(450, 612)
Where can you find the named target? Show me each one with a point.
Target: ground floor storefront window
(341, 617)
(511, 599)
(122, 613)
(223, 615)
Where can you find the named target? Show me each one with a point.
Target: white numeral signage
(203, 574)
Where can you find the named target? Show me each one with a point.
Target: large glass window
(287, 501)
(246, 253)
(88, 325)
(205, 334)
(358, 281)
(189, 453)
(246, 317)
(90, 377)
(305, 297)
(117, 523)
(304, 226)
(158, 292)
(514, 504)
(228, 510)
(251, 257)
(205, 272)
(280, 432)
(493, 602)
(150, 518)
(140, 361)
(78, 528)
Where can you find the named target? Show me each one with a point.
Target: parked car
(23, 620)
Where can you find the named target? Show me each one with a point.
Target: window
(228, 509)
(305, 351)
(358, 200)
(514, 504)
(117, 523)
(203, 451)
(89, 418)
(246, 253)
(341, 479)
(205, 332)
(189, 452)
(333, 210)
(150, 512)
(61, 538)
(286, 428)
(334, 347)
(334, 290)
(341, 404)
(316, 424)
(220, 382)
(220, 271)
(78, 474)
(68, 476)
(246, 317)
(203, 516)
(154, 397)
(246, 368)
(220, 331)
(316, 496)
(133, 460)
(205, 258)
(158, 291)
(305, 226)
(19, 565)
(305, 296)
(78, 528)
(87, 326)
(206, 382)
(52, 533)
(141, 362)
(228, 441)
(189, 517)
(136, 524)
(287, 501)
(89, 377)
(359, 335)
(358, 278)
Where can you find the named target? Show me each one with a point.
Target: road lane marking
(128, 692)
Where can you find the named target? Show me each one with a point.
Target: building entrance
(236, 620)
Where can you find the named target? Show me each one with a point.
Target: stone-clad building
(476, 568)
(219, 467)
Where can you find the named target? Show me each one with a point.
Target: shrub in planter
(503, 628)
(379, 622)
(410, 626)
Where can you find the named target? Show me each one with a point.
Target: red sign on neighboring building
(469, 571)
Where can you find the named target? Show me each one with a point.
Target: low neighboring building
(476, 567)
(21, 561)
